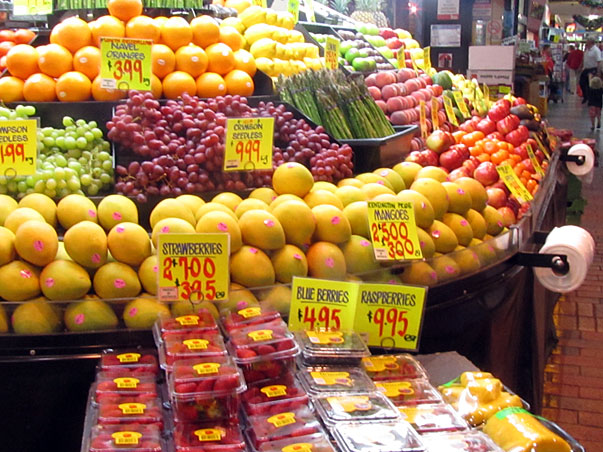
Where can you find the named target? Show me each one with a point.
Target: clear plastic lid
(199, 322)
(468, 441)
(274, 397)
(330, 379)
(262, 340)
(190, 345)
(206, 437)
(128, 362)
(249, 316)
(393, 367)
(206, 377)
(126, 437)
(433, 418)
(130, 409)
(329, 343)
(316, 442)
(108, 384)
(396, 436)
(286, 424)
(369, 407)
(409, 392)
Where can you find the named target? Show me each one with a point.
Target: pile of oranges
(202, 57)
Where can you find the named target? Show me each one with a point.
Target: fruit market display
(202, 57)
(342, 105)
(224, 402)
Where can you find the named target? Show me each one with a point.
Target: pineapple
(369, 11)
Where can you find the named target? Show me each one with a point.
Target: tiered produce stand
(128, 167)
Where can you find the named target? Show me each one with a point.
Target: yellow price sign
(448, 107)
(293, 8)
(426, 59)
(486, 91)
(260, 3)
(310, 10)
(423, 119)
(542, 146)
(414, 65)
(390, 315)
(513, 183)
(248, 144)
(504, 89)
(394, 231)
(320, 303)
(552, 140)
(193, 267)
(460, 103)
(126, 63)
(18, 147)
(435, 120)
(401, 58)
(331, 52)
(534, 160)
(32, 7)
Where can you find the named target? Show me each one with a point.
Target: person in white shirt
(590, 66)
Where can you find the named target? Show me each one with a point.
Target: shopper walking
(595, 102)
(573, 63)
(590, 66)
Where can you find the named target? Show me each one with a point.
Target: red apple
(387, 33)
(451, 159)
(393, 43)
(496, 197)
(486, 173)
(430, 157)
(439, 141)
(508, 216)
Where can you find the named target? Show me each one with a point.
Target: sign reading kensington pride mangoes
(385, 315)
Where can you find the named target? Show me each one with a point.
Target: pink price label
(297, 256)
(92, 213)
(132, 312)
(436, 234)
(119, 283)
(253, 250)
(49, 282)
(364, 243)
(464, 223)
(222, 227)
(335, 220)
(116, 216)
(449, 269)
(95, 258)
(119, 229)
(269, 223)
(25, 274)
(79, 319)
(330, 262)
(165, 229)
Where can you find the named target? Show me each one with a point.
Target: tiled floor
(574, 373)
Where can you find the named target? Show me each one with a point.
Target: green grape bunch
(72, 159)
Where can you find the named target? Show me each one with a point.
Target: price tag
(260, 3)
(513, 183)
(427, 59)
(552, 141)
(331, 52)
(18, 147)
(390, 315)
(319, 303)
(435, 106)
(414, 64)
(126, 63)
(248, 144)
(32, 7)
(542, 146)
(423, 120)
(504, 89)
(394, 231)
(534, 160)
(293, 8)
(193, 267)
(401, 58)
(460, 103)
(126, 438)
(486, 91)
(310, 10)
(450, 111)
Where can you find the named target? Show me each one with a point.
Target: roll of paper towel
(589, 159)
(579, 247)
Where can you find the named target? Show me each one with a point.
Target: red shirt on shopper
(574, 59)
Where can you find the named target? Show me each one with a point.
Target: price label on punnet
(515, 186)
(248, 144)
(18, 147)
(193, 267)
(394, 231)
(390, 315)
(126, 63)
(331, 52)
(322, 303)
